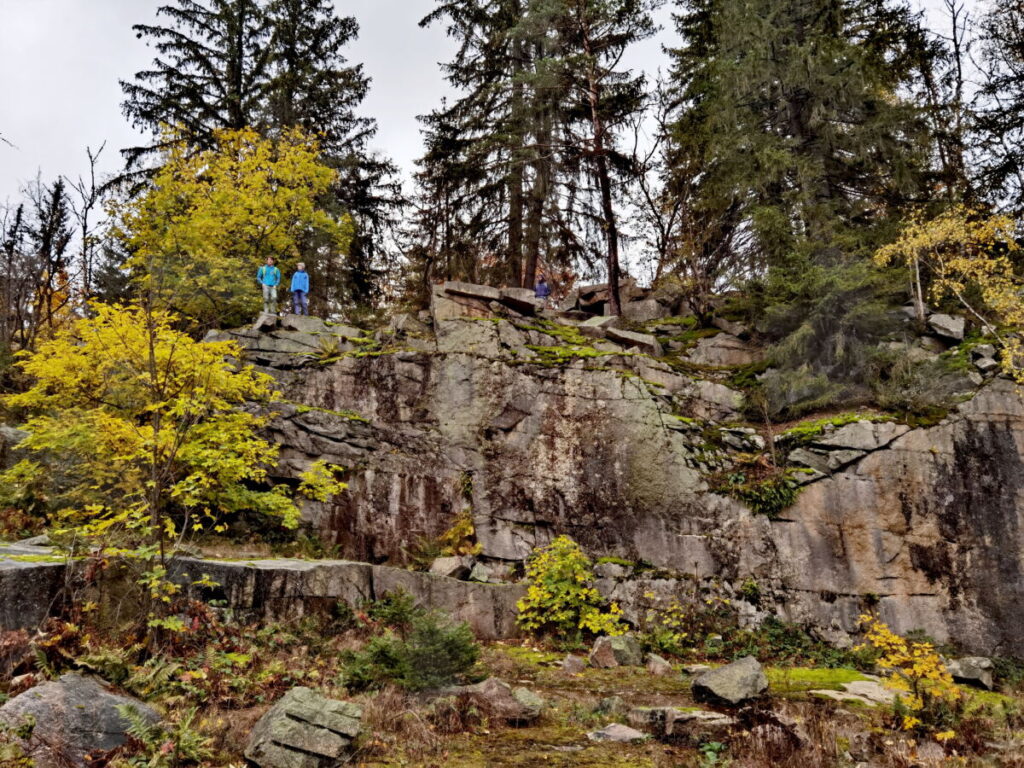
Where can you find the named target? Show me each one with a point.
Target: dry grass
(394, 723)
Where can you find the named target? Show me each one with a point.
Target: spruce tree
(1001, 114)
(488, 127)
(211, 72)
(798, 109)
(311, 85)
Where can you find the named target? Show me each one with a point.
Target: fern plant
(165, 746)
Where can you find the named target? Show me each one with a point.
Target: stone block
(644, 311)
(304, 730)
(472, 291)
(644, 342)
(947, 326)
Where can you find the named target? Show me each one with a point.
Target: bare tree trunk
(539, 192)
(516, 202)
(603, 176)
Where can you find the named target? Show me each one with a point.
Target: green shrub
(767, 496)
(397, 610)
(797, 391)
(433, 653)
(561, 600)
(919, 387)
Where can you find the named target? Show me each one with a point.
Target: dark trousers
(300, 302)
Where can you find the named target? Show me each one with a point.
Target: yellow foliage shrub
(560, 597)
(928, 696)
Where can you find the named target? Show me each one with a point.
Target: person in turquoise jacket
(300, 290)
(269, 277)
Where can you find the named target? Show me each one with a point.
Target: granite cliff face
(536, 434)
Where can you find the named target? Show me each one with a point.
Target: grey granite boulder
(658, 666)
(947, 326)
(74, 716)
(619, 651)
(972, 670)
(499, 700)
(304, 730)
(732, 684)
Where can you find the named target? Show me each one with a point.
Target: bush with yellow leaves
(561, 600)
(971, 257)
(929, 700)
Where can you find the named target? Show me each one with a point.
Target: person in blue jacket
(269, 277)
(300, 290)
(543, 291)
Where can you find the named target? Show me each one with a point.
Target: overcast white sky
(60, 62)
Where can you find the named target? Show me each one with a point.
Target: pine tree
(602, 96)
(488, 128)
(210, 74)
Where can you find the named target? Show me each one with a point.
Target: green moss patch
(785, 680)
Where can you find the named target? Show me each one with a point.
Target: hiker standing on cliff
(542, 291)
(269, 277)
(300, 290)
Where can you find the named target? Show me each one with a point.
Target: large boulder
(972, 670)
(304, 730)
(619, 651)
(74, 716)
(725, 350)
(498, 699)
(947, 326)
(733, 684)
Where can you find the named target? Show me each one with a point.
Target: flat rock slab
(870, 693)
(472, 291)
(645, 342)
(283, 589)
(74, 716)
(619, 733)
(862, 436)
(304, 730)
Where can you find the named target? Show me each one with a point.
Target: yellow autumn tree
(927, 693)
(211, 218)
(975, 259)
(139, 434)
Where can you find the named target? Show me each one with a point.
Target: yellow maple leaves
(140, 432)
(970, 257)
(560, 596)
(211, 218)
(916, 670)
